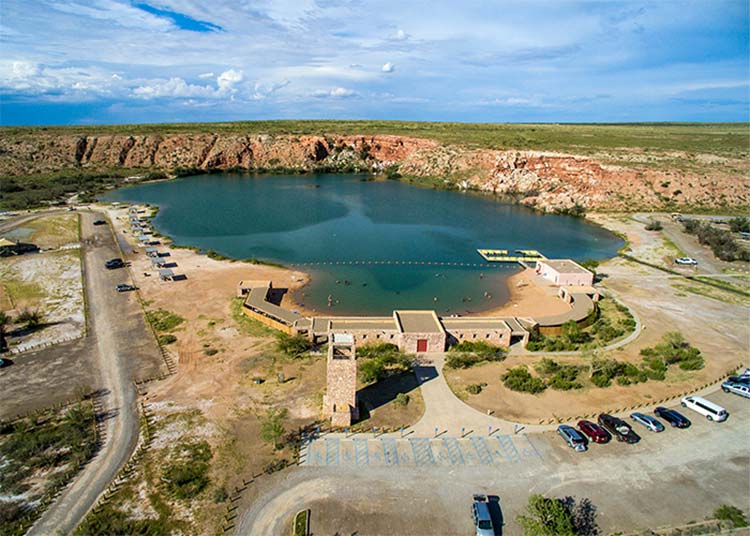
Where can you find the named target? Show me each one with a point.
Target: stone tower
(340, 400)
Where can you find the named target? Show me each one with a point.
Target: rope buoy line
(406, 263)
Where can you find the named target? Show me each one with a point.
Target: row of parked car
(609, 426)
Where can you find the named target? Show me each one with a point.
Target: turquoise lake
(330, 218)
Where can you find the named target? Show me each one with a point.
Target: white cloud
(336, 93)
(228, 79)
(388, 68)
(262, 91)
(398, 35)
(174, 87)
(206, 75)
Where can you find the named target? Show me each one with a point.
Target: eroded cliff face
(549, 181)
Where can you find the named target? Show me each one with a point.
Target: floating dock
(519, 255)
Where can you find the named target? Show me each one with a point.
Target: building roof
(372, 322)
(565, 266)
(166, 272)
(475, 323)
(4, 243)
(418, 322)
(256, 299)
(342, 338)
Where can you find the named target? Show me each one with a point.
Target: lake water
(330, 218)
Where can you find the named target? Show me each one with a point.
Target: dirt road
(121, 338)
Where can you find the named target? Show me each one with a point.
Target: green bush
(466, 354)
(187, 476)
(108, 520)
(721, 242)
(654, 225)
(731, 514)
(377, 362)
(272, 426)
(474, 388)
(293, 345)
(674, 349)
(565, 378)
(546, 517)
(519, 379)
(402, 400)
(162, 320)
(167, 339)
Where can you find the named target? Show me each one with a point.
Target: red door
(421, 345)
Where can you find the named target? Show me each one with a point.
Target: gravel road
(120, 336)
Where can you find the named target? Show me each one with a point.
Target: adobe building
(564, 273)
(420, 331)
(340, 400)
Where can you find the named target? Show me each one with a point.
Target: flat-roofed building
(340, 400)
(564, 272)
(421, 331)
(495, 331)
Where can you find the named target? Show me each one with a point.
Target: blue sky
(119, 61)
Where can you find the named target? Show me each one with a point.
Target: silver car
(648, 421)
(738, 388)
(480, 516)
(572, 437)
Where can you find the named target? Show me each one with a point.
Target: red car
(593, 431)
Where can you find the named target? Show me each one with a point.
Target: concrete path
(121, 337)
(445, 412)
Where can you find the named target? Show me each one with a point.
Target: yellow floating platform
(501, 255)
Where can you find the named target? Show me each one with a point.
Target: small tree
(293, 345)
(546, 517)
(272, 426)
(732, 515)
(32, 319)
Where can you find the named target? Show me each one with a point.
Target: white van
(711, 411)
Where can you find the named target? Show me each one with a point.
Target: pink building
(564, 272)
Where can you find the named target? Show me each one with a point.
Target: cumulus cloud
(388, 67)
(206, 75)
(228, 79)
(174, 87)
(262, 91)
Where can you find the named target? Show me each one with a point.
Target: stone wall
(435, 342)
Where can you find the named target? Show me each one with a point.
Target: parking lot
(667, 478)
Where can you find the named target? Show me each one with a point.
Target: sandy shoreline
(209, 279)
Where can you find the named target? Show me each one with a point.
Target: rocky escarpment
(549, 181)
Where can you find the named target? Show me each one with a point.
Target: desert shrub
(721, 242)
(654, 225)
(108, 520)
(547, 366)
(32, 318)
(546, 516)
(469, 353)
(162, 320)
(740, 224)
(293, 345)
(565, 378)
(474, 388)
(603, 371)
(167, 339)
(674, 349)
(402, 400)
(519, 379)
(187, 476)
(221, 494)
(210, 351)
(731, 514)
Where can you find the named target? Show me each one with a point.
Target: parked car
(480, 516)
(738, 388)
(594, 432)
(111, 264)
(648, 421)
(688, 261)
(618, 428)
(676, 419)
(124, 287)
(711, 411)
(572, 437)
(100, 222)
(743, 379)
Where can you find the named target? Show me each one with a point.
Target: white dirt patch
(58, 276)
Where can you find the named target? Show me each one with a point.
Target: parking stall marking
(509, 448)
(361, 453)
(483, 452)
(390, 451)
(454, 450)
(333, 445)
(422, 451)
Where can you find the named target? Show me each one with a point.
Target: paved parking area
(420, 451)
(667, 479)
